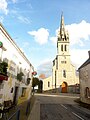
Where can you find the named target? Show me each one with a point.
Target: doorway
(15, 95)
(64, 87)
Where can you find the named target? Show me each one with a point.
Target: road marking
(67, 96)
(78, 116)
(63, 106)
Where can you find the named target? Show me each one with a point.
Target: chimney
(89, 54)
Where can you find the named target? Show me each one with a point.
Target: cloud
(40, 36)
(79, 33)
(24, 20)
(4, 6)
(54, 38)
(78, 56)
(45, 68)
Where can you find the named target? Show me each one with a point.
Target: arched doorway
(64, 87)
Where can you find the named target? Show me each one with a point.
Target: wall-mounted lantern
(34, 73)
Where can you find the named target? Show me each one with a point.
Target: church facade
(63, 72)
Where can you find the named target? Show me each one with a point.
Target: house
(47, 84)
(84, 76)
(64, 77)
(16, 84)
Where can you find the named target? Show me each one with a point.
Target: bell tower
(62, 39)
(63, 72)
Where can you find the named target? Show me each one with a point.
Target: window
(61, 47)
(65, 47)
(65, 38)
(87, 92)
(63, 62)
(23, 92)
(64, 73)
(53, 62)
(48, 84)
(55, 79)
(56, 63)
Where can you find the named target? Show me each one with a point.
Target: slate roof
(85, 63)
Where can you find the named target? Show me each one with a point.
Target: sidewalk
(35, 112)
(22, 107)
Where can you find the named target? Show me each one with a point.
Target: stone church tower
(64, 73)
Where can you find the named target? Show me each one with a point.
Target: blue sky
(33, 25)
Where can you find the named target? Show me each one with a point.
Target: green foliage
(35, 81)
(40, 86)
(28, 81)
(3, 68)
(19, 76)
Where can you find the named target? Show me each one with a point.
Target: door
(64, 87)
(15, 95)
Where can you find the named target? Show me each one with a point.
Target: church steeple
(63, 39)
(62, 26)
(63, 34)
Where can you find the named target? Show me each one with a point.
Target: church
(64, 78)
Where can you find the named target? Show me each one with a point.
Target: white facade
(17, 62)
(47, 83)
(84, 76)
(64, 76)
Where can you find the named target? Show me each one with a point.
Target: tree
(19, 76)
(3, 68)
(35, 82)
(40, 86)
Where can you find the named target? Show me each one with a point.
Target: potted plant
(19, 76)
(3, 71)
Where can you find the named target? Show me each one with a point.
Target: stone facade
(63, 72)
(84, 76)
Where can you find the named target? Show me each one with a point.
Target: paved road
(59, 107)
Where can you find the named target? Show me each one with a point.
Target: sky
(33, 25)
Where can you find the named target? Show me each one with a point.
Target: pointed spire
(63, 34)
(62, 28)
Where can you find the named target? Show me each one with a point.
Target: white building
(11, 88)
(84, 76)
(47, 83)
(64, 76)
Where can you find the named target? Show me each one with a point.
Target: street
(58, 107)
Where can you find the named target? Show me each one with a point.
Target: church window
(56, 63)
(58, 39)
(61, 47)
(63, 62)
(53, 62)
(87, 92)
(65, 47)
(64, 73)
(55, 79)
(48, 84)
(65, 38)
